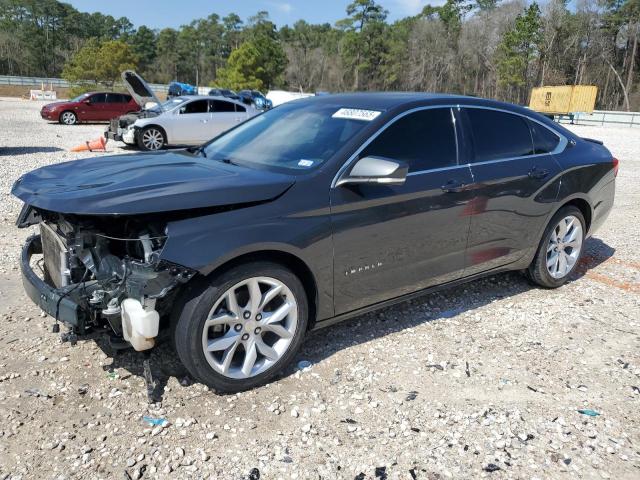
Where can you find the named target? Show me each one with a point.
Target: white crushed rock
(484, 380)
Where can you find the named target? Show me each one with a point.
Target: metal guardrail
(602, 117)
(62, 83)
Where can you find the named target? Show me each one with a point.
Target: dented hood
(146, 183)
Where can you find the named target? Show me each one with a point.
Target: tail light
(615, 163)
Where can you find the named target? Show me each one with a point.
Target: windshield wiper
(197, 151)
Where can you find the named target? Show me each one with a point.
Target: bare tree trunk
(632, 60)
(624, 89)
(606, 88)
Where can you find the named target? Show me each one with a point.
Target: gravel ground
(485, 380)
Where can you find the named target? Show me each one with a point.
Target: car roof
(95, 93)
(393, 103)
(215, 97)
(398, 101)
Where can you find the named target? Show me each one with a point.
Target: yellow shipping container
(565, 99)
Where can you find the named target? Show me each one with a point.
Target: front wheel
(151, 138)
(560, 249)
(68, 118)
(244, 327)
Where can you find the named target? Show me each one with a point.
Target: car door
(514, 187)
(128, 105)
(223, 117)
(113, 106)
(241, 113)
(391, 240)
(92, 108)
(191, 123)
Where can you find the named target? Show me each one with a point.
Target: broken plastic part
(139, 325)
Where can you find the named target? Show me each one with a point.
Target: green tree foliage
(167, 56)
(263, 36)
(363, 45)
(489, 48)
(143, 43)
(243, 69)
(518, 47)
(100, 62)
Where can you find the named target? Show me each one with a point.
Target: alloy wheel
(565, 244)
(68, 118)
(152, 139)
(250, 327)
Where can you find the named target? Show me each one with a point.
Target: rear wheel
(243, 328)
(151, 138)
(560, 249)
(68, 118)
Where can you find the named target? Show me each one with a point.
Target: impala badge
(362, 268)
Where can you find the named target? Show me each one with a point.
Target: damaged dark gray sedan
(310, 213)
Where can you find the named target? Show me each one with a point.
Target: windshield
(169, 104)
(292, 137)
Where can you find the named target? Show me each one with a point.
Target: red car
(90, 107)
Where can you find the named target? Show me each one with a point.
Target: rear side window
(544, 140)
(425, 140)
(116, 98)
(497, 135)
(99, 98)
(198, 106)
(220, 106)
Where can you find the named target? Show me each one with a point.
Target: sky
(173, 13)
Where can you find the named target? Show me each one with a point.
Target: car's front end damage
(92, 272)
(123, 128)
(110, 247)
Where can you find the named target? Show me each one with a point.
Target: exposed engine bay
(111, 268)
(124, 121)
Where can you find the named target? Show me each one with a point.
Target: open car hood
(138, 88)
(146, 183)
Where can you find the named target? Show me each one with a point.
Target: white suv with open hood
(186, 120)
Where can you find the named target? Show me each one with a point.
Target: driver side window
(98, 98)
(425, 140)
(197, 106)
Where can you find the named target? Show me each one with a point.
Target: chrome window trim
(355, 154)
(441, 169)
(562, 144)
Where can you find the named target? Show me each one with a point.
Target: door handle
(204, 121)
(452, 186)
(538, 173)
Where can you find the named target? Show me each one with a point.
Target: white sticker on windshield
(305, 163)
(356, 114)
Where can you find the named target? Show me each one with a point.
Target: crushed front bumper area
(130, 308)
(55, 302)
(127, 136)
(111, 135)
(120, 133)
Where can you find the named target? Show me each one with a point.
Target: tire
(560, 250)
(235, 352)
(68, 118)
(151, 138)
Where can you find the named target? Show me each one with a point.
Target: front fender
(206, 243)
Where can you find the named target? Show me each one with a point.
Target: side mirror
(376, 170)
(87, 101)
